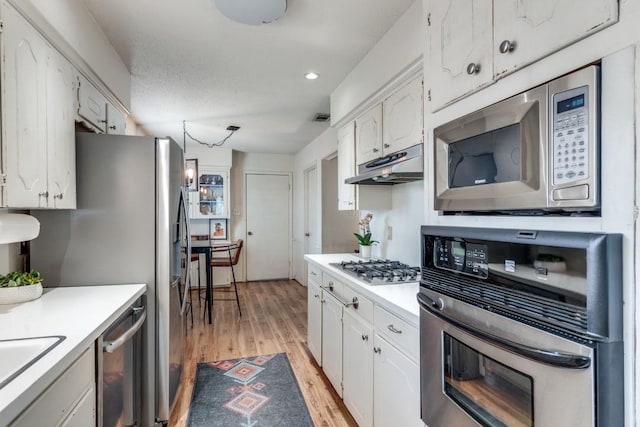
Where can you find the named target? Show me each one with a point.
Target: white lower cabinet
(332, 340)
(396, 389)
(369, 354)
(69, 401)
(357, 368)
(314, 321)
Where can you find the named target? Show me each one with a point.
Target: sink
(18, 354)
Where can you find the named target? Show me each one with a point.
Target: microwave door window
(491, 157)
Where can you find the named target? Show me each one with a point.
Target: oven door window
(490, 392)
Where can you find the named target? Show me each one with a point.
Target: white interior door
(268, 226)
(311, 229)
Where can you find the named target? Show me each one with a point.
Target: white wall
(397, 50)
(337, 226)
(311, 155)
(243, 163)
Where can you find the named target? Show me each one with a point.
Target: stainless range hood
(396, 168)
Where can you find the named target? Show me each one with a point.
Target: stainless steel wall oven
(520, 328)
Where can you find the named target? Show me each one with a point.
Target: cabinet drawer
(333, 284)
(399, 333)
(59, 400)
(315, 274)
(365, 306)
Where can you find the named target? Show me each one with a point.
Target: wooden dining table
(207, 247)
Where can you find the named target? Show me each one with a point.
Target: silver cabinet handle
(507, 46)
(365, 337)
(473, 68)
(111, 346)
(394, 330)
(58, 196)
(44, 194)
(377, 350)
(354, 302)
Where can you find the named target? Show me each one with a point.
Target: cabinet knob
(507, 46)
(58, 196)
(365, 337)
(386, 146)
(377, 350)
(375, 150)
(473, 68)
(307, 234)
(44, 194)
(112, 127)
(249, 233)
(316, 296)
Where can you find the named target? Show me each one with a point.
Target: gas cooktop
(380, 271)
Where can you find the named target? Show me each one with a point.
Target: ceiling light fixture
(231, 128)
(252, 12)
(311, 76)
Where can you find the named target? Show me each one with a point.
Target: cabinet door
(402, 118)
(369, 135)
(396, 393)
(346, 167)
(314, 321)
(61, 137)
(91, 105)
(357, 372)
(84, 413)
(461, 48)
(213, 193)
(24, 106)
(332, 340)
(537, 28)
(116, 121)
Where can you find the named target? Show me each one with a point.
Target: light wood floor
(274, 320)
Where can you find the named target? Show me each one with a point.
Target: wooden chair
(233, 251)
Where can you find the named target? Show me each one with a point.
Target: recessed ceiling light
(311, 76)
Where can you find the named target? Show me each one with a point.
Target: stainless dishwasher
(119, 369)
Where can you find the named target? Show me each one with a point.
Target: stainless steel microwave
(537, 151)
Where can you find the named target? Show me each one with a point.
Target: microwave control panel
(464, 257)
(571, 135)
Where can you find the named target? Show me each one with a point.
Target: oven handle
(549, 357)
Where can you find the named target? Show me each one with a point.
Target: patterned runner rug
(259, 391)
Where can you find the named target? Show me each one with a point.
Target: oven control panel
(464, 257)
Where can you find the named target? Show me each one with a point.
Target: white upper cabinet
(212, 198)
(116, 121)
(526, 30)
(346, 167)
(92, 105)
(369, 135)
(402, 118)
(61, 133)
(475, 42)
(461, 48)
(37, 122)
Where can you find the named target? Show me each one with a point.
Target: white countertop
(80, 313)
(399, 299)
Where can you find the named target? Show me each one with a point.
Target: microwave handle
(549, 357)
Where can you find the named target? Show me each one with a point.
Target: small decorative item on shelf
(218, 229)
(364, 239)
(20, 287)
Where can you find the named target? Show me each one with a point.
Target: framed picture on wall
(218, 229)
(191, 175)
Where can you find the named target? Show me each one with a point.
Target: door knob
(249, 233)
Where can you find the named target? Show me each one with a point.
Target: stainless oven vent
(534, 310)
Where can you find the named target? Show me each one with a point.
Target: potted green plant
(20, 286)
(364, 240)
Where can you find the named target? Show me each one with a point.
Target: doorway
(312, 234)
(268, 239)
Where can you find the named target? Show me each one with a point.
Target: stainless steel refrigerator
(130, 226)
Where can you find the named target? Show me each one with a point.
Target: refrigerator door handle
(187, 272)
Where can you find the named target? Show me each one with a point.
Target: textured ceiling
(189, 62)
